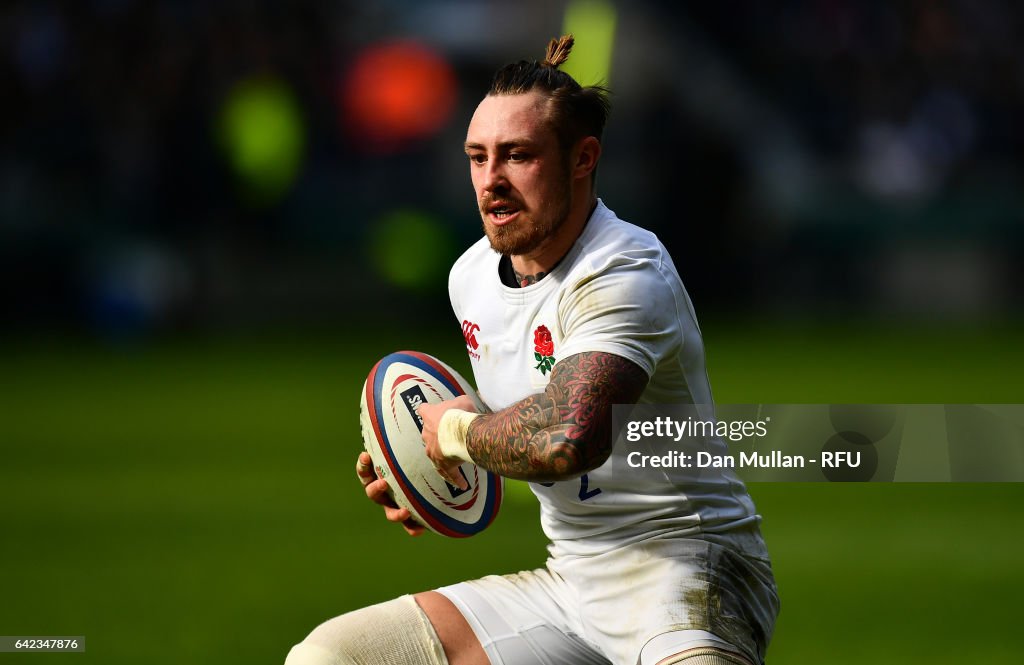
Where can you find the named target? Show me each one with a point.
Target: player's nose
(494, 176)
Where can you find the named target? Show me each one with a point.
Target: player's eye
(517, 156)
(477, 158)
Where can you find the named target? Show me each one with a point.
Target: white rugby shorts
(636, 604)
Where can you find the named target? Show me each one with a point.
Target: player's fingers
(364, 469)
(402, 515)
(377, 491)
(466, 403)
(452, 475)
(397, 514)
(413, 528)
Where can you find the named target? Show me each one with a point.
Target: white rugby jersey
(616, 291)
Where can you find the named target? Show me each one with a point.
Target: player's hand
(431, 414)
(377, 491)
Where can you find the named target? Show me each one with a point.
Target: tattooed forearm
(564, 431)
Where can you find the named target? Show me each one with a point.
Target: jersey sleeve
(630, 308)
(459, 275)
(453, 294)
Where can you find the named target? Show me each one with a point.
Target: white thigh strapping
(396, 632)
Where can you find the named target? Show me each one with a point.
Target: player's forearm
(528, 441)
(564, 431)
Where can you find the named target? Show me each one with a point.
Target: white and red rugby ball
(391, 427)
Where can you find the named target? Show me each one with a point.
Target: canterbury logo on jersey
(469, 332)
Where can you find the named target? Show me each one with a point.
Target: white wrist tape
(453, 433)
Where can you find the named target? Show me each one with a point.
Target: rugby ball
(397, 385)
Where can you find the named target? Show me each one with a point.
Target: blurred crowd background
(214, 216)
(187, 166)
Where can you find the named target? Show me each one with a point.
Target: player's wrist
(453, 433)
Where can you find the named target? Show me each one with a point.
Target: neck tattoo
(526, 280)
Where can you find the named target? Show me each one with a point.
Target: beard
(533, 227)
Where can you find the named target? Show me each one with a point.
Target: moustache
(488, 202)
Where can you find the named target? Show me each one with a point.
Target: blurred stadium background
(214, 218)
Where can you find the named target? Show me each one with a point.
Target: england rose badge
(543, 349)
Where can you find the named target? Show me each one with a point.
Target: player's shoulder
(477, 258)
(609, 243)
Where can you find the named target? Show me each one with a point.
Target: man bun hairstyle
(558, 51)
(574, 111)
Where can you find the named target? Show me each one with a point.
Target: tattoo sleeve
(564, 431)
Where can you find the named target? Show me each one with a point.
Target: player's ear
(587, 152)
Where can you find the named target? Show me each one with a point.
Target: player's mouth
(501, 212)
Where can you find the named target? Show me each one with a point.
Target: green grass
(194, 500)
(885, 573)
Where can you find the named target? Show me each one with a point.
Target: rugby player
(568, 310)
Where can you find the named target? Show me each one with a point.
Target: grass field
(194, 500)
